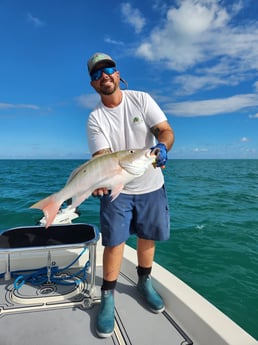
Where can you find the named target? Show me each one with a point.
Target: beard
(107, 90)
(107, 87)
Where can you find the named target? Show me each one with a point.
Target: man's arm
(164, 133)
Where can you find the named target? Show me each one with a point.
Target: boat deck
(37, 315)
(50, 294)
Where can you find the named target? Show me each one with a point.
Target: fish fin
(116, 191)
(50, 206)
(77, 200)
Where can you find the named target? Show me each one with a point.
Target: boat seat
(57, 235)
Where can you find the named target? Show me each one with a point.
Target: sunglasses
(97, 74)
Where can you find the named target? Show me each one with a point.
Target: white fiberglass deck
(36, 315)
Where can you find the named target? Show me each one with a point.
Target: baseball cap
(100, 57)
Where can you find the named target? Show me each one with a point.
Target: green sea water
(214, 223)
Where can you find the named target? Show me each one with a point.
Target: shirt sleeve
(153, 113)
(96, 138)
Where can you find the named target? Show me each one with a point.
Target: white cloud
(193, 18)
(133, 17)
(88, 101)
(111, 41)
(197, 149)
(248, 150)
(189, 84)
(197, 32)
(211, 107)
(255, 116)
(224, 73)
(17, 106)
(159, 6)
(34, 20)
(244, 140)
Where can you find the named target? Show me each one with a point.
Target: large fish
(112, 171)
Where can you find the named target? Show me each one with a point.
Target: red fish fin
(50, 207)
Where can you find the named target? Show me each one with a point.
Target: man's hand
(100, 192)
(161, 157)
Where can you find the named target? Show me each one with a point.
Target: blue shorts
(146, 215)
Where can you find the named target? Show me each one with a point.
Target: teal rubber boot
(150, 295)
(106, 317)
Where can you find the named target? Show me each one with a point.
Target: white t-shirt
(127, 126)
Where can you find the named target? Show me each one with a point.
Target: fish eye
(131, 151)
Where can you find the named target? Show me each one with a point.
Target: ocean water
(214, 223)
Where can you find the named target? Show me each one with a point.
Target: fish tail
(50, 206)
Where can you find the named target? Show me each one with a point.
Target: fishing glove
(162, 157)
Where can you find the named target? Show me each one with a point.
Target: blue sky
(197, 58)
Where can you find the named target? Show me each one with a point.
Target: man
(126, 119)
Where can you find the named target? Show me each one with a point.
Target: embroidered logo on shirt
(137, 120)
